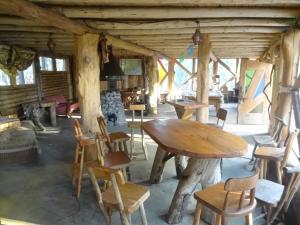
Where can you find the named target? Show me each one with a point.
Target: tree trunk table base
(204, 171)
(203, 144)
(158, 166)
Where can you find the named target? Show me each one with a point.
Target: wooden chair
(137, 125)
(276, 198)
(269, 140)
(278, 155)
(79, 163)
(114, 158)
(221, 118)
(118, 139)
(122, 196)
(235, 198)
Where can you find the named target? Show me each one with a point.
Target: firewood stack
(112, 108)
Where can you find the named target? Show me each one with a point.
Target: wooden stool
(137, 125)
(276, 198)
(278, 155)
(232, 199)
(79, 164)
(269, 140)
(122, 196)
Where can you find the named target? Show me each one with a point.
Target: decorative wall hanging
(14, 58)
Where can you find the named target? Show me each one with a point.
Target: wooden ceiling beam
(182, 36)
(42, 16)
(209, 30)
(175, 13)
(178, 3)
(138, 25)
(37, 14)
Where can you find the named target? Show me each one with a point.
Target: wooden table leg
(53, 115)
(158, 166)
(204, 171)
(184, 114)
(180, 165)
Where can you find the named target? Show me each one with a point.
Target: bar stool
(278, 155)
(80, 164)
(116, 157)
(137, 125)
(118, 139)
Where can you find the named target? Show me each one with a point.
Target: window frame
(54, 66)
(14, 84)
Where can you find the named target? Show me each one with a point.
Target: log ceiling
(237, 28)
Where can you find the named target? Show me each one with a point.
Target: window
(60, 65)
(23, 77)
(131, 66)
(26, 76)
(47, 64)
(4, 79)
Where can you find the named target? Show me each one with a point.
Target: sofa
(63, 107)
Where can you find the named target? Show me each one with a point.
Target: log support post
(88, 71)
(215, 72)
(290, 45)
(153, 82)
(171, 74)
(204, 50)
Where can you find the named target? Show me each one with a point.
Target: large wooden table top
(194, 139)
(187, 104)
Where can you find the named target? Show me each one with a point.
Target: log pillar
(171, 73)
(204, 50)
(153, 81)
(88, 71)
(215, 72)
(290, 45)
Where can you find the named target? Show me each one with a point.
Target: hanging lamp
(197, 36)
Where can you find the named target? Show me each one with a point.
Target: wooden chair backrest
(289, 147)
(140, 107)
(221, 115)
(104, 135)
(242, 185)
(116, 178)
(77, 128)
(278, 129)
(105, 173)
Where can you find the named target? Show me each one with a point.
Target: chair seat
(265, 140)
(214, 198)
(275, 154)
(268, 192)
(119, 137)
(87, 140)
(132, 195)
(116, 160)
(134, 124)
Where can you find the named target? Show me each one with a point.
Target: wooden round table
(204, 144)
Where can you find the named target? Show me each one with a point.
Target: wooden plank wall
(54, 83)
(11, 97)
